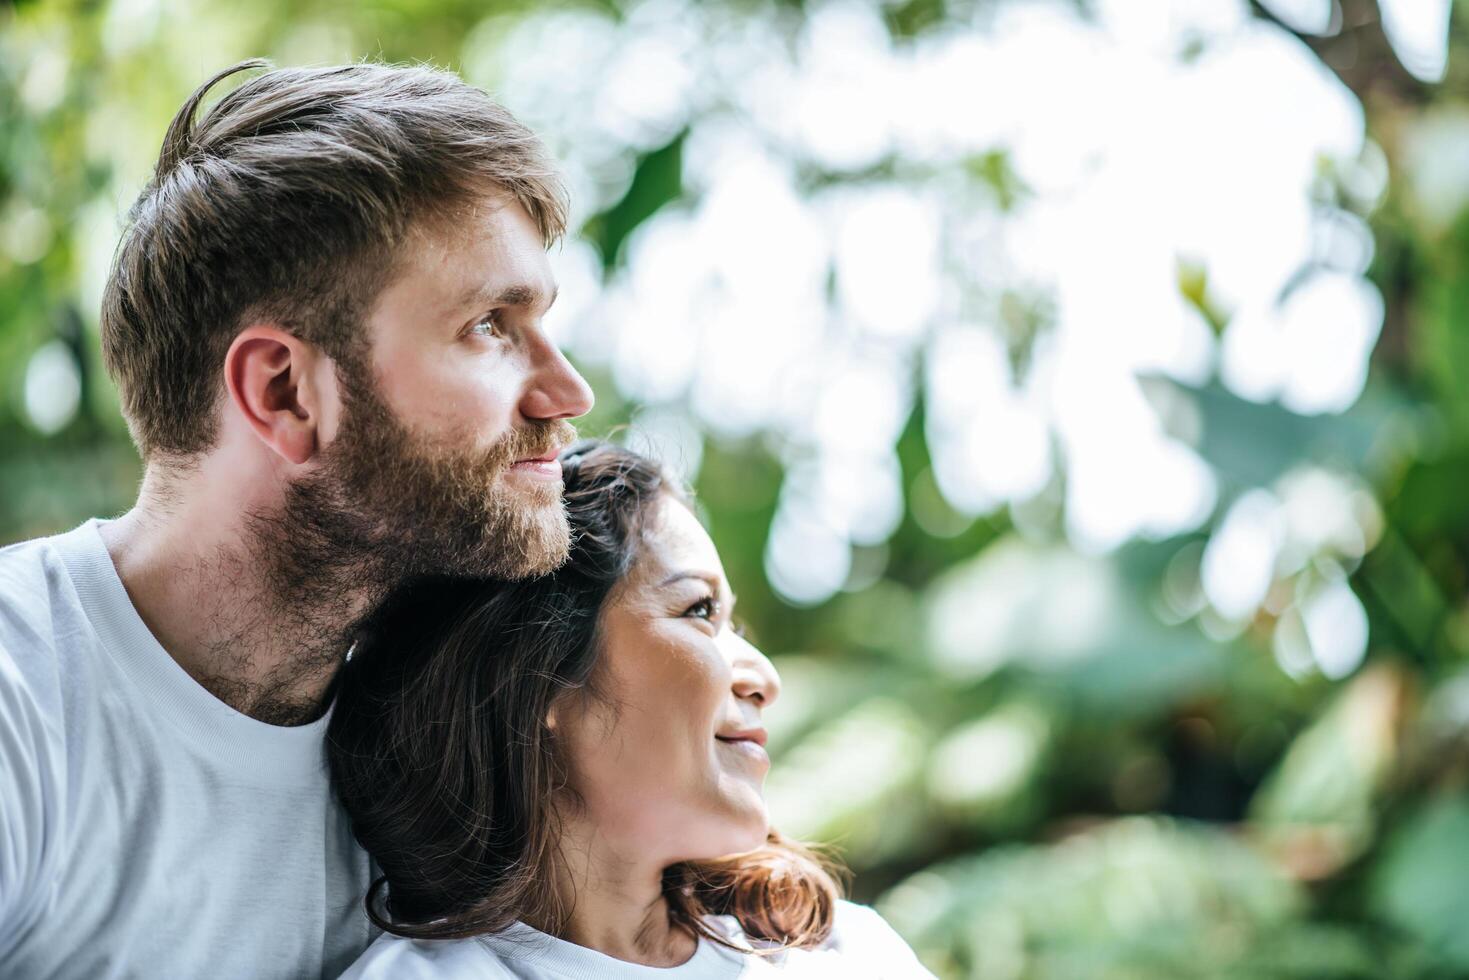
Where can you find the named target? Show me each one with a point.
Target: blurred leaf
(656, 181)
(855, 782)
(1317, 809)
(1074, 620)
(1136, 897)
(983, 770)
(1253, 445)
(1421, 883)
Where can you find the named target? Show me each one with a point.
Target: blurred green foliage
(1140, 796)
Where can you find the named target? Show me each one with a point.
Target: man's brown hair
(288, 201)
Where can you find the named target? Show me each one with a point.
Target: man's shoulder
(31, 570)
(32, 731)
(39, 603)
(22, 561)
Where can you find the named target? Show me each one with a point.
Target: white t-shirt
(147, 829)
(861, 947)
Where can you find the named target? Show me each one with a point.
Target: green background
(1158, 799)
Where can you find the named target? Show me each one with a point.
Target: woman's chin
(757, 828)
(747, 832)
(752, 842)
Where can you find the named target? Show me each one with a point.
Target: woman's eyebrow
(709, 578)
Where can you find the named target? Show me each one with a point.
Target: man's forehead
(477, 277)
(496, 235)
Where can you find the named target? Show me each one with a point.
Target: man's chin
(551, 556)
(534, 541)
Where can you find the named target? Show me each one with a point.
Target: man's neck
(201, 579)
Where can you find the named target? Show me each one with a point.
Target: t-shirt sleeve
(395, 958)
(864, 936)
(30, 791)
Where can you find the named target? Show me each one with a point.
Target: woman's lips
(750, 750)
(756, 735)
(749, 744)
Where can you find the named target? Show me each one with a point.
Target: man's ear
(270, 377)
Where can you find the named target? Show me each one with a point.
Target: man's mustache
(535, 440)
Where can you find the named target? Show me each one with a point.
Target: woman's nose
(755, 677)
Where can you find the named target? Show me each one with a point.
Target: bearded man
(324, 322)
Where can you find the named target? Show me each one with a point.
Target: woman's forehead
(675, 541)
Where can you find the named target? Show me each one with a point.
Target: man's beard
(387, 505)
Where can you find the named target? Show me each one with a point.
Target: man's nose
(557, 390)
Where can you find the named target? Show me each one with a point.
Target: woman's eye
(703, 609)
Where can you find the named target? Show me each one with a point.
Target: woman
(562, 776)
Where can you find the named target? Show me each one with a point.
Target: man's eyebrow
(515, 294)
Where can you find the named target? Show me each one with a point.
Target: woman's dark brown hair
(440, 752)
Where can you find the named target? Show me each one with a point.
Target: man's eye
(489, 326)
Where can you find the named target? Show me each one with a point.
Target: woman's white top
(861, 947)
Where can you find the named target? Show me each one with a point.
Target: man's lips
(546, 466)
